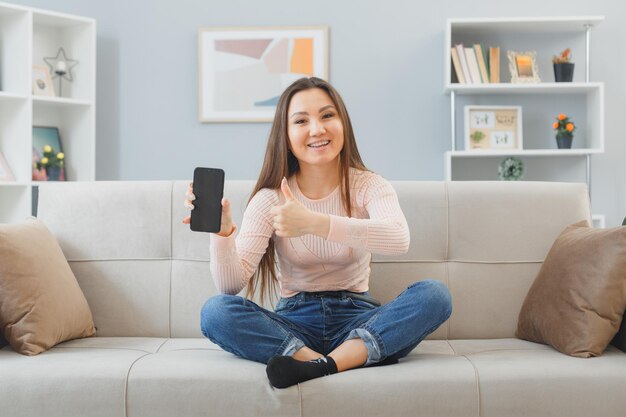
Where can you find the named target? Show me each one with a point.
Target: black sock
(285, 371)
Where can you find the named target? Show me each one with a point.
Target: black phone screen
(208, 187)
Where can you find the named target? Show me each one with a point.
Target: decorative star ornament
(61, 65)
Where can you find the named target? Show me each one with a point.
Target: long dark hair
(279, 162)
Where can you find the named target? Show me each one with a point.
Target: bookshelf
(582, 99)
(27, 35)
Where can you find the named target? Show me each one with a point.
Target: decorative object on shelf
(42, 82)
(46, 140)
(52, 162)
(5, 171)
(477, 136)
(511, 169)
(243, 71)
(61, 66)
(501, 126)
(564, 131)
(563, 68)
(523, 67)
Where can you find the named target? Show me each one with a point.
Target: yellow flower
(44, 160)
(569, 127)
(562, 116)
(60, 155)
(555, 125)
(47, 148)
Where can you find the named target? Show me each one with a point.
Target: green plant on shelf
(477, 136)
(51, 159)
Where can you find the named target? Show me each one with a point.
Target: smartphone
(208, 187)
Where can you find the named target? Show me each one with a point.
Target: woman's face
(314, 128)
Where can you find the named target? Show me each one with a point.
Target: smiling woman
(322, 213)
(315, 137)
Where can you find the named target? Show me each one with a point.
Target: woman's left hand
(292, 219)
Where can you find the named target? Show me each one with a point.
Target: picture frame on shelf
(42, 81)
(5, 170)
(523, 67)
(244, 70)
(55, 169)
(494, 128)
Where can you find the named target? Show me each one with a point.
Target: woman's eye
(300, 121)
(328, 115)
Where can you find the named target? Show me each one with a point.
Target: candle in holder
(60, 67)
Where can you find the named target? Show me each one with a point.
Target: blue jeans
(322, 322)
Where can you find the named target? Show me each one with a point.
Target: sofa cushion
(194, 377)
(577, 300)
(519, 380)
(83, 377)
(41, 303)
(428, 382)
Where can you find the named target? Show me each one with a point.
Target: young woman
(322, 213)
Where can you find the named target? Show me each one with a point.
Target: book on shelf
(480, 57)
(456, 64)
(461, 53)
(475, 65)
(494, 64)
(472, 64)
(486, 58)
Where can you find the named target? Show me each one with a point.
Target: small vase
(564, 73)
(564, 141)
(54, 173)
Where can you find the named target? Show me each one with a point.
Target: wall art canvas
(243, 71)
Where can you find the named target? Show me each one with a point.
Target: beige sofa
(146, 276)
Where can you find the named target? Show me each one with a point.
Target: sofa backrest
(144, 273)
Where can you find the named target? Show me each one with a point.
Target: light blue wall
(386, 58)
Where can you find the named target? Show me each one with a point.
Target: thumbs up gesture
(292, 219)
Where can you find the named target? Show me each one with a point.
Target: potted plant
(564, 131)
(477, 137)
(563, 68)
(52, 163)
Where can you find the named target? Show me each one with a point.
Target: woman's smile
(319, 145)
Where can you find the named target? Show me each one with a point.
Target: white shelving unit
(27, 35)
(582, 99)
(547, 36)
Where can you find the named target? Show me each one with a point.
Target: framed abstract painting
(243, 71)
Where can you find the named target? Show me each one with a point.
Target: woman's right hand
(227, 228)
